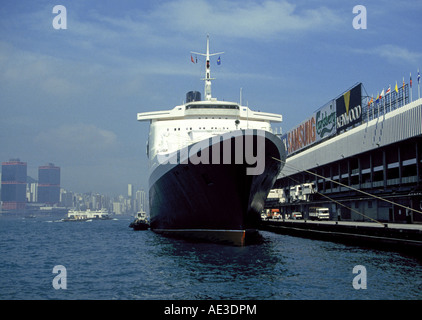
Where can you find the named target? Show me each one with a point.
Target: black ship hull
(215, 200)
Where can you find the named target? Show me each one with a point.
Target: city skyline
(71, 95)
(21, 193)
(33, 185)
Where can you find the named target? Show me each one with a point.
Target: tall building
(66, 198)
(31, 189)
(131, 198)
(13, 184)
(49, 184)
(141, 201)
(130, 190)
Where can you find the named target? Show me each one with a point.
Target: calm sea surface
(108, 260)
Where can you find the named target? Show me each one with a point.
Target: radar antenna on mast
(207, 79)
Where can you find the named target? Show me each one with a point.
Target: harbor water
(108, 260)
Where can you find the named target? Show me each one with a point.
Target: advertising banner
(335, 116)
(302, 136)
(325, 118)
(349, 108)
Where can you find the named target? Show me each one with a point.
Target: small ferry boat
(77, 215)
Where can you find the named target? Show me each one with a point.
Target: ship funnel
(193, 96)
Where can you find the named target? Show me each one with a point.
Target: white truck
(277, 195)
(318, 213)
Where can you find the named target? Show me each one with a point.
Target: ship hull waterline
(217, 200)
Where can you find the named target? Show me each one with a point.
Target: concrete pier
(392, 236)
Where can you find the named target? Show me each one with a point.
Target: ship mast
(207, 79)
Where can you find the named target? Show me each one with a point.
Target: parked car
(296, 215)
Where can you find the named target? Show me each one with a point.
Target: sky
(70, 96)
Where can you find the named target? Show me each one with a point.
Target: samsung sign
(301, 136)
(349, 108)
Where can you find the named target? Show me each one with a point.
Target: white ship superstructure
(194, 121)
(199, 120)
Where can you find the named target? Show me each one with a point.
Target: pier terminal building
(360, 158)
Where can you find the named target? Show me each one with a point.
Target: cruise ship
(212, 164)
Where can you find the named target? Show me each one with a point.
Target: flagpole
(367, 110)
(397, 95)
(384, 103)
(373, 107)
(411, 95)
(387, 93)
(404, 96)
(369, 106)
(376, 105)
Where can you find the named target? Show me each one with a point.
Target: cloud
(244, 19)
(97, 39)
(164, 24)
(47, 74)
(91, 158)
(392, 53)
(77, 142)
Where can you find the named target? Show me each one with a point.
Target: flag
(403, 83)
(396, 88)
(382, 93)
(218, 61)
(191, 59)
(419, 77)
(388, 90)
(410, 79)
(370, 101)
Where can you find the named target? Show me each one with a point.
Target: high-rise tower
(13, 184)
(49, 184)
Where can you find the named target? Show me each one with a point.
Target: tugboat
(141, 222)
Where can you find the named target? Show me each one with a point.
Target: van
(317, 213)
